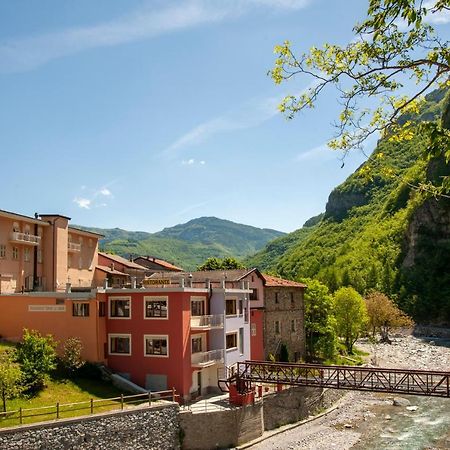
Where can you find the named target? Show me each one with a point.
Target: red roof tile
(271, 281)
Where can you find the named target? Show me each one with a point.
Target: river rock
(400, 401)
(412, 408)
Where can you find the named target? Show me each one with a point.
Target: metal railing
(401, 381)
(73, 247)
(205, 358)
(17, 236)
(59, 410)
(207, 321)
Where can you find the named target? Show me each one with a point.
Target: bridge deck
(401, 381)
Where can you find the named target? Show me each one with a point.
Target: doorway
(199, 383)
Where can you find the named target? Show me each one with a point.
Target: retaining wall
(148, 427)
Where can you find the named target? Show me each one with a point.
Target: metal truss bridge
(399, 381)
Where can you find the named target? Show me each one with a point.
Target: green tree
(10, 377)
(71, 358)
(320, 323)
(394, 43)
(220, 264)
(36, 355)
(384, 315)
(351, 315)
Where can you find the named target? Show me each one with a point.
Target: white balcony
(205, 359)
(207, 322)
(74, 247)
(24, 238)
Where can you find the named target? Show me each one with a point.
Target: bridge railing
(417, 382)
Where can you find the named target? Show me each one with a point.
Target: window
(80, 309)
(39, 255)
(241, 341)
(155, 307)
(277, 327)
(253, 329)
(119, 307)
(276, 297)
(197, 307)
(292, 299)
(230, 307)
(241, 307)
(15, 253)
(231, 341)
(293, 328)
(254, 294)
(156, 345)
(16, 227)
(196, 344)
(26, 254)
(120, 344)
(101, 309)
(2, 251)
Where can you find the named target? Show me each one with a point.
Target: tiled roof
(212, 275)
(111, 271)
(161, 262)
(124, 261)
(271, 281)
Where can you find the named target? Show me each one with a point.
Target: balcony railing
(73, 247)
(203, 359)
(24, 238)
(206, 322)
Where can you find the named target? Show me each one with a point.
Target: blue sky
(148, 113)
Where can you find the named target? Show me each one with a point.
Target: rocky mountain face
(380, 230)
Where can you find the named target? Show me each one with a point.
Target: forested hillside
(190, 244)
(380, 231)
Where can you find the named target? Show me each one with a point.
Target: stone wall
(149, 427)
(290, 405)
(221, 429)
(282, 308)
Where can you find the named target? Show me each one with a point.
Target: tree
(36, 355)
(71, 357)
(220, 264)
(392, 45)
(320, 324)
(384, 315)
(351, 315)
(10, 377)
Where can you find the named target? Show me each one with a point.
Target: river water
(395, 427)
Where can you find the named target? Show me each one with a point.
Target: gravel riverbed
(360, 415)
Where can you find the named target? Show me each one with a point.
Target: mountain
(190, 244)
(380, 230)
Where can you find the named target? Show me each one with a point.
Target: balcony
(207, 322)
(24, 238)
(73, 247)
(205, 359)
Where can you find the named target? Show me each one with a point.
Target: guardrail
(207, 321)
(59, 410)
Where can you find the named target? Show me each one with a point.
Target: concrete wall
(147, 428)
(221, 429)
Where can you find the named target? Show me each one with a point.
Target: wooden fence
(92, 406)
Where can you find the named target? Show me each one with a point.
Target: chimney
(112, 266)
(182, 282)
(133, 282)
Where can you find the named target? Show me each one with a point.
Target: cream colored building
(44, 253)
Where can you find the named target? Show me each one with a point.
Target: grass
(60, 389)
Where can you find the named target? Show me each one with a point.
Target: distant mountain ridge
(190, 244)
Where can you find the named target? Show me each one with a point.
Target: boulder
(400, 401)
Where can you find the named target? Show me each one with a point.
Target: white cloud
(321, 152)
(202, 163)
(83, 203)
(27, 53)
(192, 161)
(106, 192)
(250, 115)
